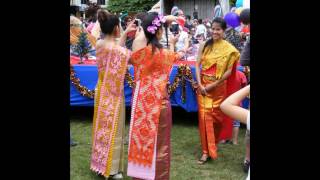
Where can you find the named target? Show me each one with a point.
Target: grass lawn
(185, 150)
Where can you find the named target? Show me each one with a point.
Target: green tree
(83, 46)
(130, 5)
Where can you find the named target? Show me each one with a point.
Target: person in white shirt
(231, 108)
(183, 41)
(201, 29)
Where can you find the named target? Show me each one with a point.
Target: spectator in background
(242, 81)
(91, 14)
(245, 61)
(76, 28)
(72, 143)
(130, 35)
(180, 13)
(201, 29)
(183, 41)
(127, 21)
(192, 38)
(82, 20)
(188, 23)
(200, 38)
(233, 37)
(193, 45)
(195, 23)
(91, 24)
(195, 15)
(245, 55)
(209, 29)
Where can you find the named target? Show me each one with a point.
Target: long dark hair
(223, 25)
(151, 38)
(107, 21)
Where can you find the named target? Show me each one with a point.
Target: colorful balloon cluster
(239, 10)
(243, 3)
(239, 3)
(233, 17)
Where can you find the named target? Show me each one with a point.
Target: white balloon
(246, 3)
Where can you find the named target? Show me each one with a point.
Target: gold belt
(209, 78)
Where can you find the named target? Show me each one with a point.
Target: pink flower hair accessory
(160, 19)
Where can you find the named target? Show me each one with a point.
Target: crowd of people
(152, 43)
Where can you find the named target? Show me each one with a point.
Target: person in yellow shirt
(215, 62)
(76, 27)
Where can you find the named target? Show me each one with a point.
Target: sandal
(202, 161)
(236, 144)
(246, 166)
(117, 176)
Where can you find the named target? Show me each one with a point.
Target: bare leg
(235, 135)
(248, 146)
(246, 163)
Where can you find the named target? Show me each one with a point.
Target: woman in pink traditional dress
(109, 109)
(151, 118)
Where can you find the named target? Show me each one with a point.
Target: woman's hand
(140, 40)
(170, 19)
(130, 27)
(189, 50)
(212, 86)
(202, 90)
(173, 39)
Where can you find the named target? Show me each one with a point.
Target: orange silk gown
(151, 119)
(215, 61)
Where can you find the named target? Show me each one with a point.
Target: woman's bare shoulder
(100, 43)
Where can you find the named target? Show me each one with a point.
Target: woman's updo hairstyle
(107, 21)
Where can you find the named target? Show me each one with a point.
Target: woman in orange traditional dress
(109, 109)
(217, 59)
(151, 118)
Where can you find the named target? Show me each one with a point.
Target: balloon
(217, 12)
(239, 10)
(181, 21)
(246, 4)
(239, 3)
(246, 29)
(232, 19)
